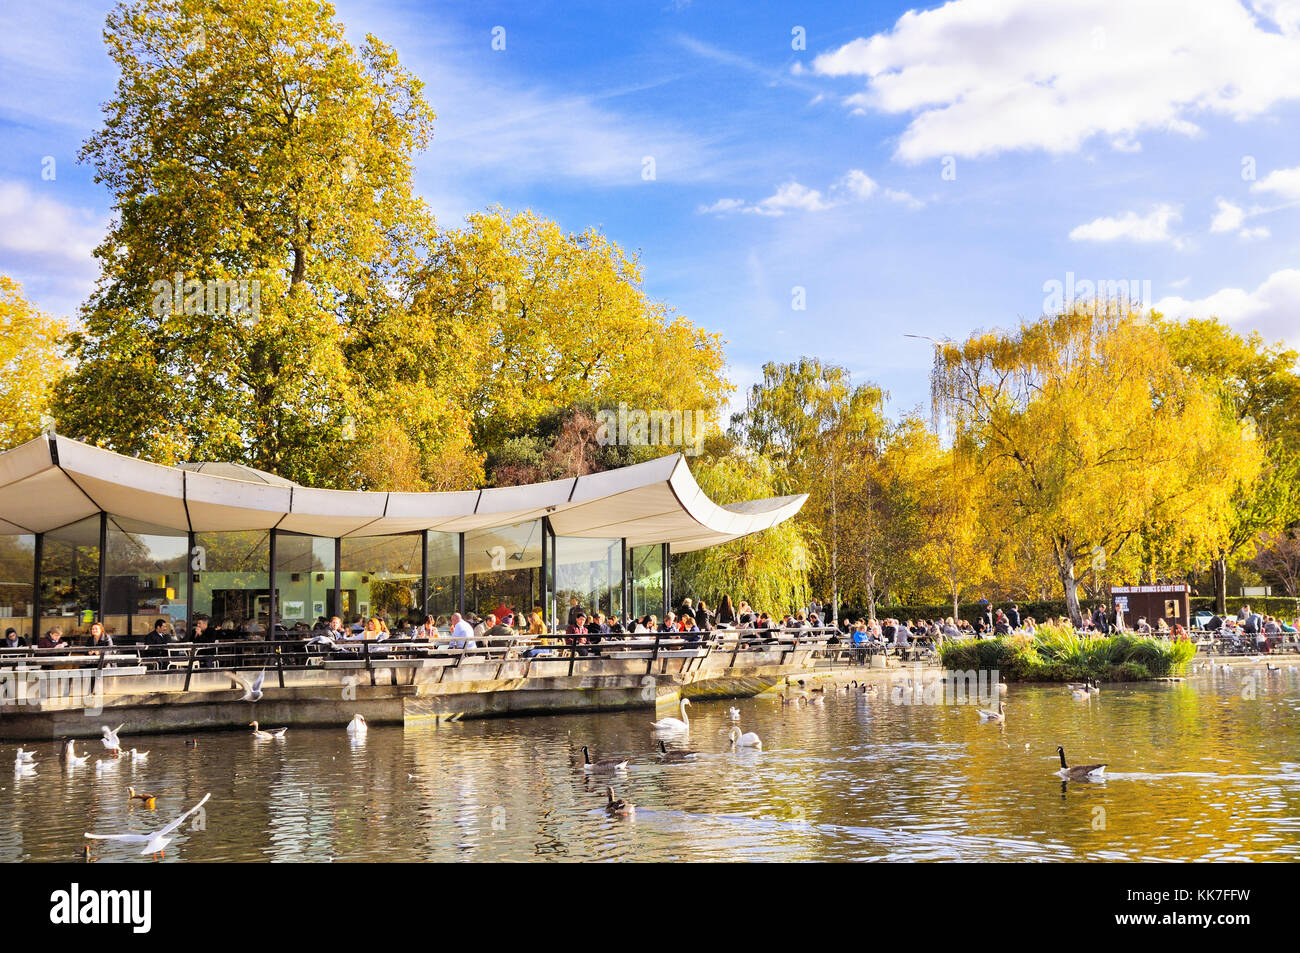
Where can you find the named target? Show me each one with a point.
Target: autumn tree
(31, 364)
(1088, 432)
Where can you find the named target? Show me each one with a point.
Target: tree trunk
(1066, 570)
(1220, 568)
(955, 616)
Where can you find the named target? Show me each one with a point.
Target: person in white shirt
(462, 633)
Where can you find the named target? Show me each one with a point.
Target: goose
(25, 757)
(1093, 689)
(795, 700)
(619, 807)
(1271, 667)
(677, 754)
(148, 800)
(604, 765)
(110, 739)
(869, 690)
(139, 756)
(155, 842)
(252, 690)
(996, 717)
(735, 714)
(1081, 693)
(818, 701)
(675, 724)
(70, 755)
(1082, 772)
(357, 726)
(271, 733)
(747, 740)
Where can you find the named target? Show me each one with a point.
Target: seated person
(157, 639)
(499, 628)
(99, 639)
(53, 639)
(576, 633)
(462, 633)
(12, 640)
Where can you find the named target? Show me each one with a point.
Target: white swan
(747, 740)
(674, 724)
(155, 842)
(357, 727)
(270, 733)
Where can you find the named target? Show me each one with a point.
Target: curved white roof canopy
(53, 481)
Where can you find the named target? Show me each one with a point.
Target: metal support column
(103, 564)
(461, 593)
(271, 613)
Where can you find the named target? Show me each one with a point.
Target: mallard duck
(192, 743)
(619, 807)
(996, 717)
(148, 800)
(154, 842)
(604, 765)
(357, 726)
(269, 733)
(1082, 772)
(677, 754)
(746, 740)
(674, 724)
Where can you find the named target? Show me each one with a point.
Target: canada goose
(996, 717)
(747, 740)
(357, 727)
(1271, 667)
(139, 756)
(271, 733)
(1093, 689)
(735, 714)
(70, 755)
(870, 690)
(620, 807)
(252, 690)
(674, 724)
(110, 739)
(1080, 693)
(154, 842)
(148, 800)
(604, 765)
(1082, 772)
(677, 754)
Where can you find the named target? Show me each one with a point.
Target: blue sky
(1152, 142)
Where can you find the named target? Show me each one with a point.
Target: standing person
(687, 609)
(704, 617)
(575, 609)
(1013, 616)
(727, 612)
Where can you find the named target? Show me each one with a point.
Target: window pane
(381, 578)
(17, 567)
(444, 575)
(304, 579)
(588, 577)
(145, 569)
(70, 577)
(232, 587)
(503, 570)
(647, 574)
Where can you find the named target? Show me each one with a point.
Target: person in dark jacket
(12, 640)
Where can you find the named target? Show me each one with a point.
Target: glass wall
(70, 577)
(444, 575)
(145, 577)
(588, 576)
(17, 570)
(503, 568)
(647, 577)
(232, 582)
(381, 577)
(304, 580)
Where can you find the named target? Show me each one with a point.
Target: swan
(1083, 772)
(154, 842)
(271, 733)
(996, 717)
(139, 756)
(357, 727)
(747, 740)
(74, 760)
(620, 807)
(604, 765)
(110, 739)
(676, 754)
(252, 690)
(735, 714)
(675, 724)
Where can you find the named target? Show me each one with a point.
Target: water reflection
(1198, 770)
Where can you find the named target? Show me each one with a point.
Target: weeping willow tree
(1088, 433)
(769, 570)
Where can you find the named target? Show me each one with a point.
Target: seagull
(252, 690)
(25, 757)
(155, 842)
(270, 733)
(74, 761)
(357, 726)
(104, 764)
(138, 756)
(24, 769)
(110, 738)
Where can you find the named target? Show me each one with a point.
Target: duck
(1082, 772)
(357, 727)
(192, 743)
(252, 690)
(604, 765)
(138, 757)
(155, 842)
(674, 724)
(148, 800)
(995, 717)
(271, 733)
(70, 755)
(746, 740)
(110, 739)
(677, 754)
(618, 807)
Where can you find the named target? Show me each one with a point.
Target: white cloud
(32, 224)
(1228, 218)
(1284, 183)
(791, 196)
(859, 183)
(903, 198)
(1258, 231)
(1152, 227)
(1270, 309)
(980, 77)
(721, 205)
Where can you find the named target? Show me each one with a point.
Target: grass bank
(1059, 654)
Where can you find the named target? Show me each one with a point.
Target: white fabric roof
(50, 482)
